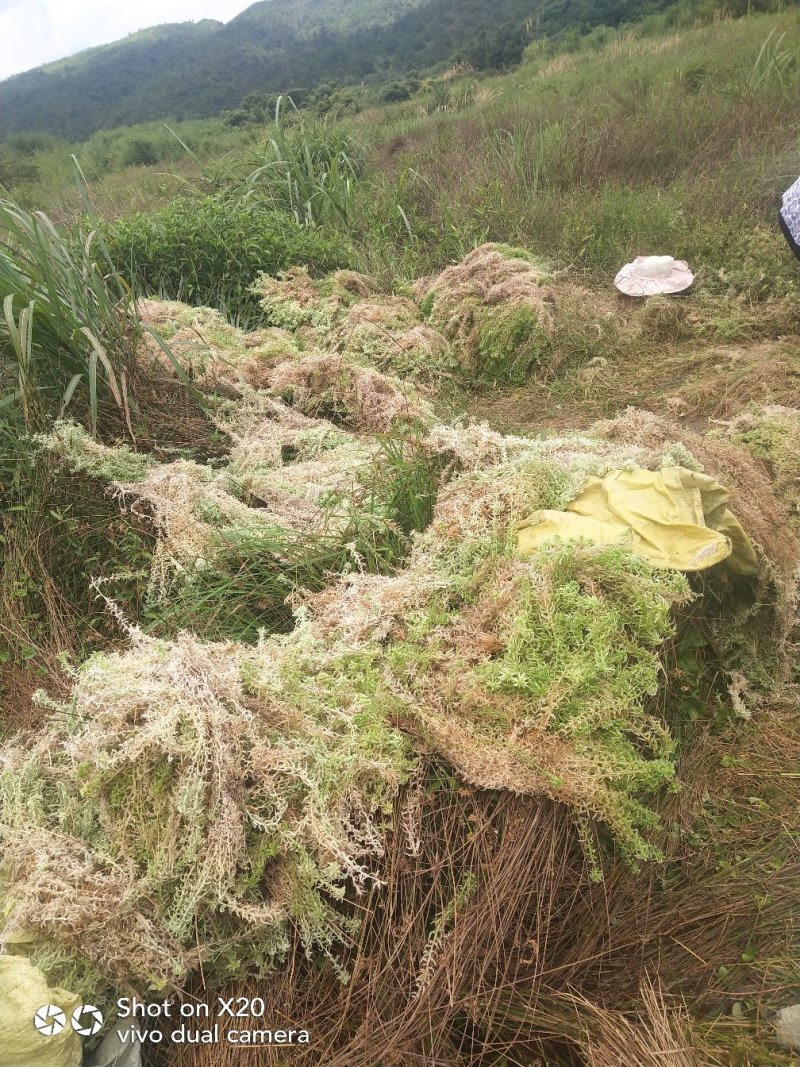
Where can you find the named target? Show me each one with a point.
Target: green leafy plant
(209, 250)
(66, 320)
(774, 63)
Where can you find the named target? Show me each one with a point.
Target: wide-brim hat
(654, 275)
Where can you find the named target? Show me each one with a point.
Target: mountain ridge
(192, 70)
(187, 69)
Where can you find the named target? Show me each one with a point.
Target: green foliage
(70, 341)
(774, 63)
(196, 70)
(402, 89)
(67, 335)
(307, 170)
(15, 168)
(209, 250)
(511, 341)
(59, 534)
(139, 152)
(591, 162)
(579, 648)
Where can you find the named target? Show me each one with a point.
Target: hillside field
(298, 700)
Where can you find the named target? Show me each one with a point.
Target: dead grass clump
(391, 312)
(157, 312)
(90, 913)
(772, 434)
(663, 318)
(472, 881)
(313, 494)
(266, 435)
(185, 502)
(296, 299)
(286, 476)
(209, 350)
(557, 65)
(350, 281)
(658, 1035)
(496, 306)
(346, 393)
(588, 326)
(723, 381)
(389, 335)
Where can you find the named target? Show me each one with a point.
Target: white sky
(33, 32)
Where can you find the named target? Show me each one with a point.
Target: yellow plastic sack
(23, 991)
(674, 518)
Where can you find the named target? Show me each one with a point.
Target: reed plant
(308, 168)
(68, 326)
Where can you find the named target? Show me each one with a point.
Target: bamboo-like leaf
(69, 392)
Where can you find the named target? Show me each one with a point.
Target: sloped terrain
(194, 70)
(353, 751)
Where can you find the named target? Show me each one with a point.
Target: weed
(308, 170)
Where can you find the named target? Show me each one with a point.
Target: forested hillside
(194, 70)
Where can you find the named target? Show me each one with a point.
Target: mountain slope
(190, 70)
(194, 70)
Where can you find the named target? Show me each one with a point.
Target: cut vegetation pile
(359, 755)
(489, 319)
(497, 307)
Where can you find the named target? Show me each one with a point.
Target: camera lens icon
(87, 1020)
(49, 1020)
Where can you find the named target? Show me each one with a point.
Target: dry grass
(490, 275)
(650, 358)
(350, 395)
(541, 966)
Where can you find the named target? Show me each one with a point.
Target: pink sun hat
(654, 275)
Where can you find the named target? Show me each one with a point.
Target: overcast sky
(33, 32)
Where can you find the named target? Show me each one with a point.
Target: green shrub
(209, 251)
(139, 152)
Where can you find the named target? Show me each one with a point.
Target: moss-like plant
(82, 453)
(773, 434)
(196, 795)
(511, 341)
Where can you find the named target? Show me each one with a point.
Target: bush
(139, 152)
(209, 251)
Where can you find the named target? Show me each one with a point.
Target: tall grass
(68, 325)
(68, 330)
(308, 169)
(640, 144)
(774, 63)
